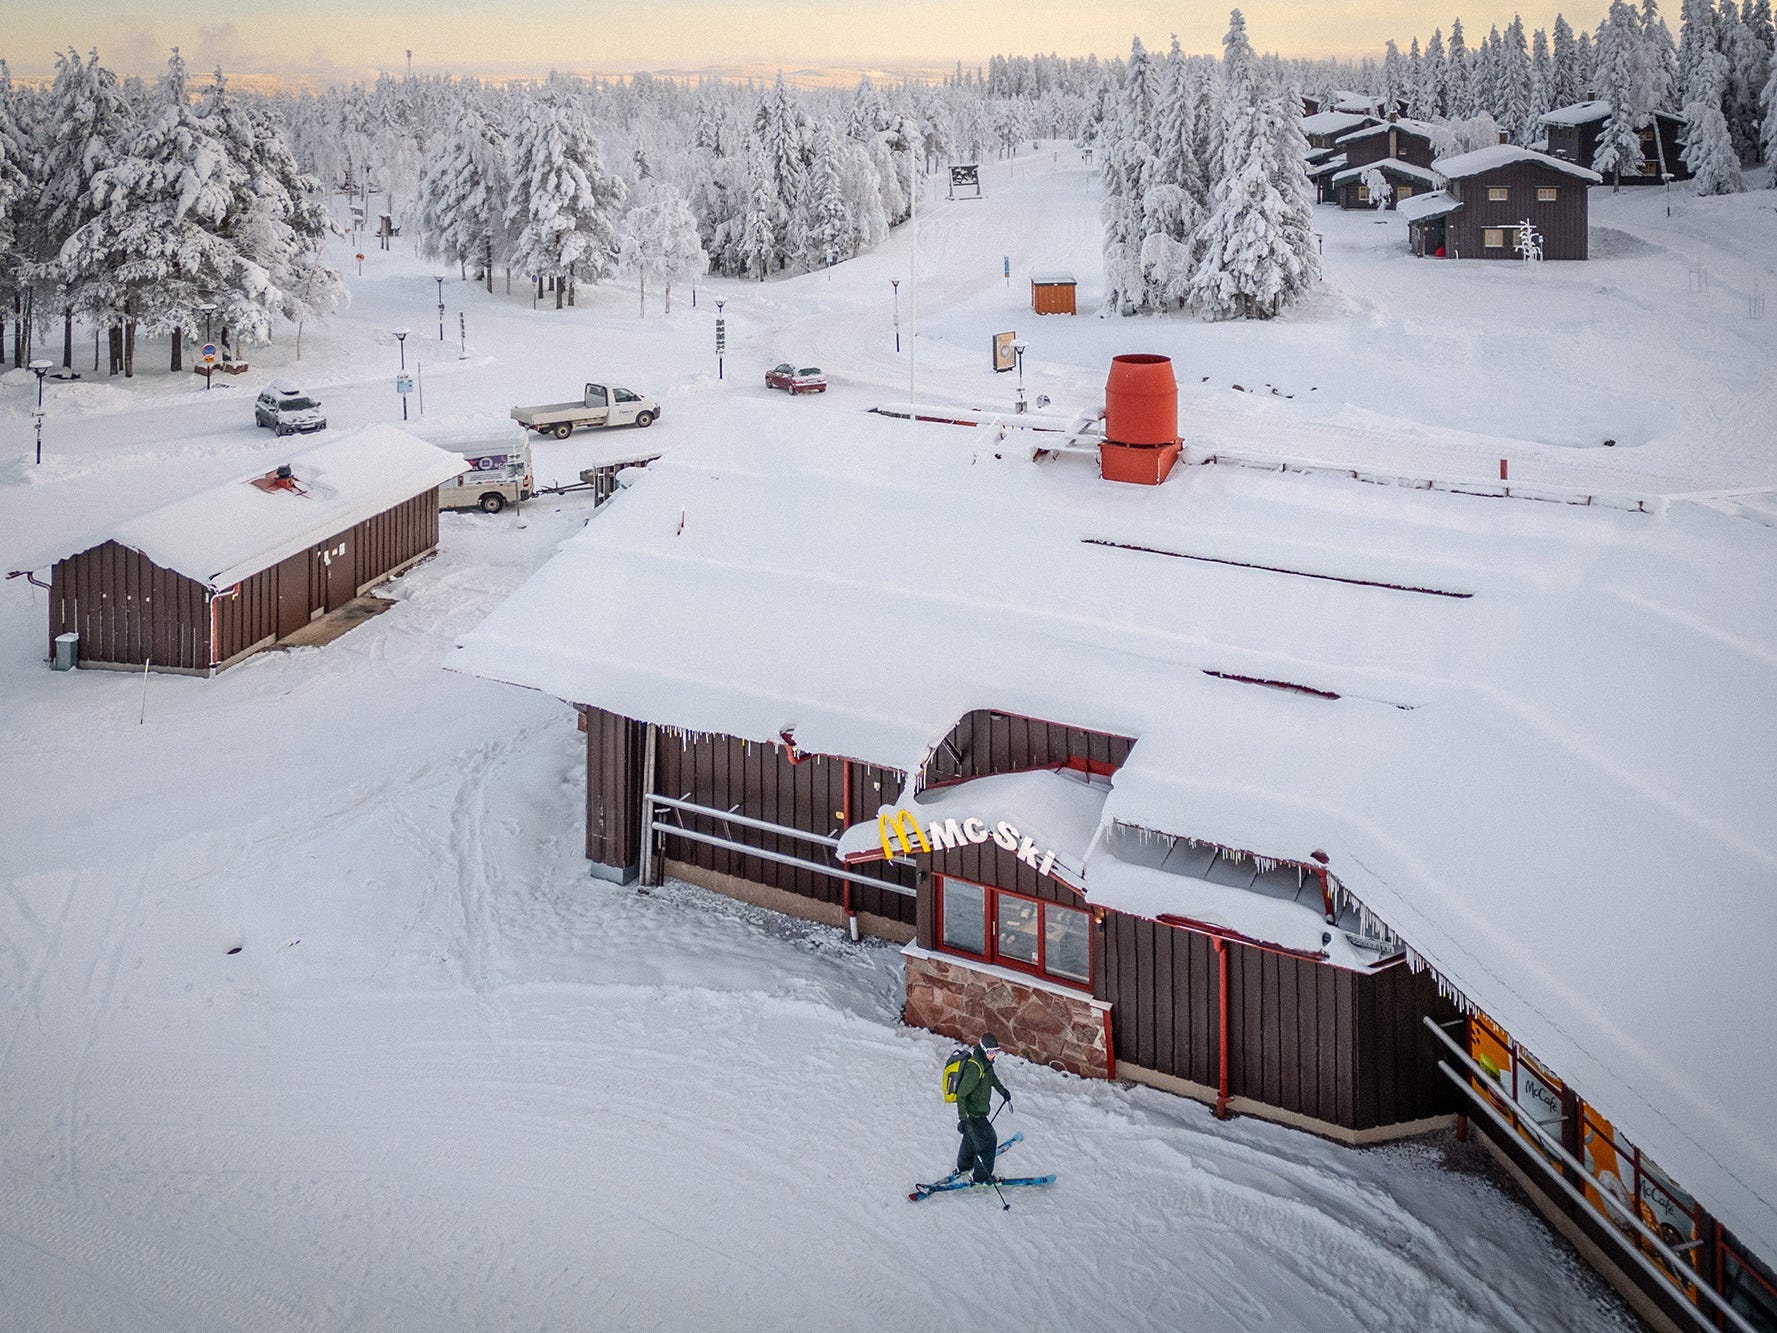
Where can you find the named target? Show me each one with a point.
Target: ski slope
(448, 1081)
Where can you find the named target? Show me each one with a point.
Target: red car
(786, 376)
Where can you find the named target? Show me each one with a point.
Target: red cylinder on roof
(1141, 400)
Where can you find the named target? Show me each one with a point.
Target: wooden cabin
(1572, 133)
(1490, 193)
(209, 579)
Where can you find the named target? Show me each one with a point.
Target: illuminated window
(1498, 194)
(1493, 238)
(1363, 194)
(1546, 194)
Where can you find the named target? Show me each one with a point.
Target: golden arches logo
(897, 826)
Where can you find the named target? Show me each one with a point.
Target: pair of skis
(959, 1180)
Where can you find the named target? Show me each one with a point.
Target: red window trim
(992, 956)
(1097, 768)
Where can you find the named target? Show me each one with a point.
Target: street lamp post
(440, 281)
(209, 309)
(1018, 349)
(401, 379)
(896, 284)
(39, 369)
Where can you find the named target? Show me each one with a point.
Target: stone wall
(1031, 1021)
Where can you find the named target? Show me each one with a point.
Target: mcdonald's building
(1306, 797)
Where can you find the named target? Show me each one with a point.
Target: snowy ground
(449, 1081)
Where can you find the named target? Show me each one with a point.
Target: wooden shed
(1052, 293)
(200, 583)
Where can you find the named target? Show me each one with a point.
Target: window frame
(1499, 194)
(991, 913)
(1492, 231)
(1548, 194)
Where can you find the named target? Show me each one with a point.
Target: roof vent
(1140, 420)
(283, 472)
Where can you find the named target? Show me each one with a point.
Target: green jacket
(975, 1086)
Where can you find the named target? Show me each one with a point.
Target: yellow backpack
(953, 1071)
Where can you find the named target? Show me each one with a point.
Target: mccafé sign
(902, 828)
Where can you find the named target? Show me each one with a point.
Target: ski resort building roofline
(1383, 683)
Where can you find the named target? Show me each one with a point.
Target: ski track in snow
(450, 1081)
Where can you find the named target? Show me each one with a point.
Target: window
(1493, 238)
(1363, 194)
(1547, 194)
(1026, 934)
(1403, 192)
(1498, 194)
(625, 396)
(595, 395)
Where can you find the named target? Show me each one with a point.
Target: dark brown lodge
(1572, 134)
(206, 580)
(997, 935)
(1490, 195)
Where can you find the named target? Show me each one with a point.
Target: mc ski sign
(901, 828)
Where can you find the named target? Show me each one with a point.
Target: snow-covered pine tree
(1661, 54)
(757, 242)
(1128, 169)
(1623, 81)
(1768, 111)
(563, 202)
(463, 196)
(1746, 47)
(1433, 93)
(782, 129)
(285, 229)
(829, 222)
(92, 123)
(1696, 34)
(1542, 83)
(20, 142)
(1379, 189)
(1569, 87)
(1708, 146)
(158, 246)
(660, 241)
(1518, 100)
(1457, 73)
(1394, 78)
(1258, 240)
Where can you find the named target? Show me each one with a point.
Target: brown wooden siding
(986, 742)
(1337, 1045)
(127, 609)
(1052, 298)
(759, 781)
(1562, 223)
(1579, 144)
(614, 746)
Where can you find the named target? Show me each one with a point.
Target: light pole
(209, 308)
(39, 369)
(401, 379)
(1018, 351)
(439, 279)
(896, 284)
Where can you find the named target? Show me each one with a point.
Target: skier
(974, 1089)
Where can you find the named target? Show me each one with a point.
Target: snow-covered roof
(1584, 113)
(1355, 102)
(1420, 207)
(1556, 789)
(1418, 128)
(1392, 166)
(1331, 164)
(1495, 156)
(1052, 277)
(1333, 122)
(219, 536)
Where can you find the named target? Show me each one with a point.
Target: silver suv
(286, 408)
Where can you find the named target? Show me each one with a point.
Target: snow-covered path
(450, 1082)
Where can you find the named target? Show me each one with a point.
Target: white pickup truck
(601, 405)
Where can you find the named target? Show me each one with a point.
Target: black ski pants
(978, 1146)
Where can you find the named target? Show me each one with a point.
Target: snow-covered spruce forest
(183, 208)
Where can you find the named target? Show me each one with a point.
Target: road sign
(721, 334)
(209, 354)
(404, 384)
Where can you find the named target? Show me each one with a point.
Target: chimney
(1393, 116)
(1504, 137)
(1140, 420)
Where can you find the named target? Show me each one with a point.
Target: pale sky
(343, 39)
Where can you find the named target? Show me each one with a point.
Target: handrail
(1556, 1150)
(747, 820)
(728, 844)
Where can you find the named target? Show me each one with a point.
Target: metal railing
(1483, 1102)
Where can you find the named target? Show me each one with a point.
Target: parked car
(286, 408)
(806, 379)
(600, 405)
(498, 458)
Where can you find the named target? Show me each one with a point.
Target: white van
(499, 457)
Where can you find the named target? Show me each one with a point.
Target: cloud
(220, 46)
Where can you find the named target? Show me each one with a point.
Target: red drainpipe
(1222, 1026)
